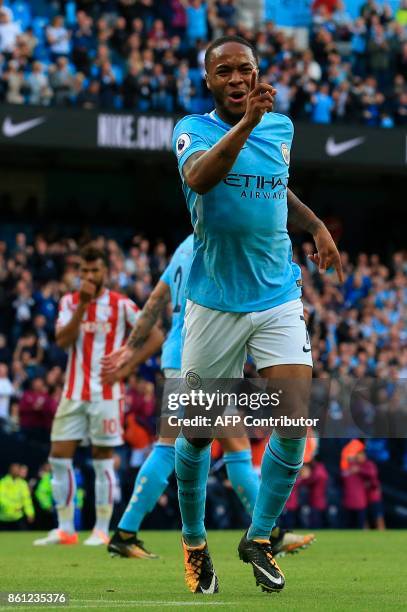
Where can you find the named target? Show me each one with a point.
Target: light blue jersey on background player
(175, 276)
(248, 267)
(153, 476)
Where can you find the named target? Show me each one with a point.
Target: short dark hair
(218, 42)
(91, 252)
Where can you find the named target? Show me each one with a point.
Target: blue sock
(282, 460)
(192, 468)
(151, 481)
(242, 475)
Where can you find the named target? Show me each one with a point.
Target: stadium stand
(338, 62)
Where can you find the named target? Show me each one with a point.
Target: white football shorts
(216, 343)
(100, 421)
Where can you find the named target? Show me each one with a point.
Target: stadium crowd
(148, 55)
(358, 331)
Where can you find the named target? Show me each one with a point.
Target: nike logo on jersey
(211, 588)
(333, 149)
(305, 349)
(10, 129)
(278, 580)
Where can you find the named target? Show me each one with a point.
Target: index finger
(253, 79)
(339, 269)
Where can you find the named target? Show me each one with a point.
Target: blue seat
(38, 25)
(22, 13)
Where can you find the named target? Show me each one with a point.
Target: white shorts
(99, 421)
(216, 343)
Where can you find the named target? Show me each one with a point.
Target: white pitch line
(152, 601)
(137, 602)
(122, 603)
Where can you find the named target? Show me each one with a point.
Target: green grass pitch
(342, 570)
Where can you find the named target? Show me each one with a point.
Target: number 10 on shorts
(110, 426)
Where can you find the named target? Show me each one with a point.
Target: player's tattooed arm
(301, 216)
(144, 340)
(152, 310)
(327, 254)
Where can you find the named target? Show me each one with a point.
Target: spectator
(16, 507)
(58, 38)
(289, 517)
(6, 9)
(130, 88)
(82, 41)
(184, 88)
(314, 477)
(379, 55)
(28, 344)
(323, 105)
(197, 20)
(359, 47)
(284, 95)
(23, 306)
(354, 495)
(108, 86)
(161, 100)
(14, 79)
(401, 109)
(5, 352)
(9, 31)
(342, 98)
(90, 97)
(37, 81)
(374, 492)
(6, 393)
(36, 411)
(61, 81)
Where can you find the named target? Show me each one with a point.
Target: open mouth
(236, 97)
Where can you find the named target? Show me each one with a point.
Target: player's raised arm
(327, 254)
(205, 169)
(66, 334)
(144, 340)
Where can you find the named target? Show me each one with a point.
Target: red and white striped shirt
(102, 330)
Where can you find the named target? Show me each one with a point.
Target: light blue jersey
(175, 276)
(242, 259)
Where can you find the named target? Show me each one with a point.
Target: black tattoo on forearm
(300, 215)
(148, 318)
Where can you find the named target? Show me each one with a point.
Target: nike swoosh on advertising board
(10, 129)
(333, 149)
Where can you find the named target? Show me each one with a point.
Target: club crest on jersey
(183, 143)
(285, 152)
(193, 380)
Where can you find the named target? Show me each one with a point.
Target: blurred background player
(152, 479)
(91, 323)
